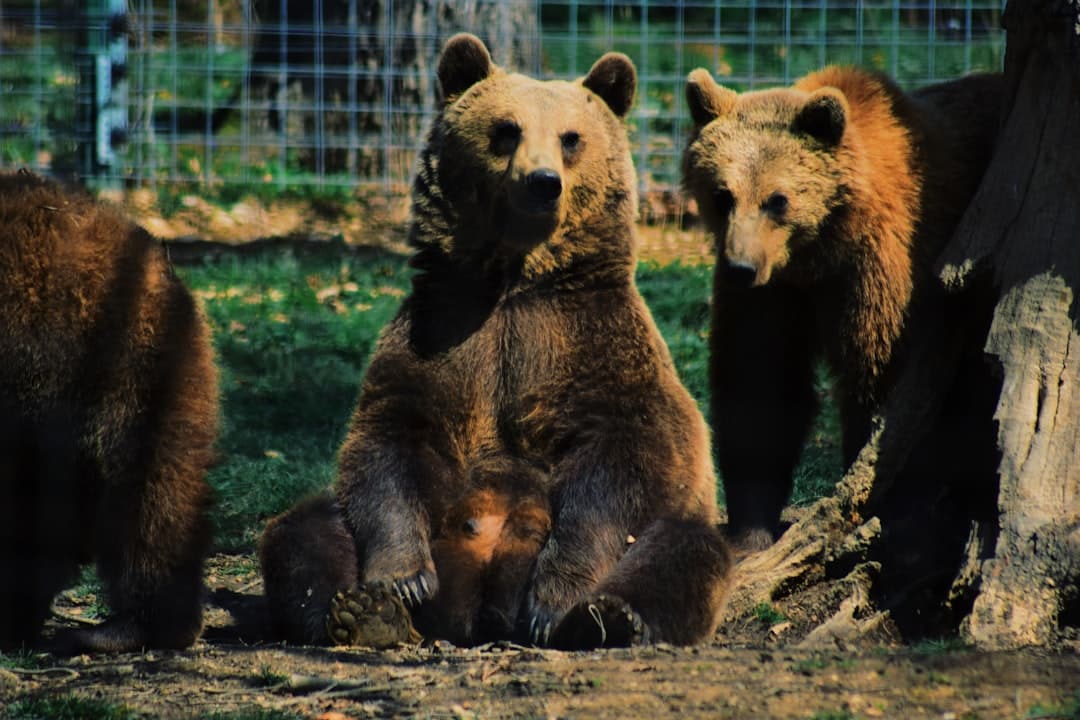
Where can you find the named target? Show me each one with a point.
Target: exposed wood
(1024, 228)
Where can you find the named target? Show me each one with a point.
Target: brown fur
(873, 181)
(482, 549)
(108, 414)
(526, 361)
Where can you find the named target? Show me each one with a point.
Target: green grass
(1068, 709)
(74, 707)
(65, 707)
(20, 660)
(90, 590)
(267, 677)
(767, 614)
(294, 333)
(940, 646)
(833, 715)
(255, 714)
(678, 296)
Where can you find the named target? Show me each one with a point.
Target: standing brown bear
(108, 415)
(828, 202)
(524, 363)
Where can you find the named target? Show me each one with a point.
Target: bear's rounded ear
(707, 99)
(614, 79)
(823, 117)
(465, 61)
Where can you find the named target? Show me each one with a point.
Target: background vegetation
(184, 69)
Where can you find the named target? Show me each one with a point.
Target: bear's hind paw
(372, 615)
(600, 621)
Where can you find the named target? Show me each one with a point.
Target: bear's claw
(413, 590)
(601, 621)
(372, 615)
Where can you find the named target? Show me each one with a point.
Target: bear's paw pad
(600, 621)
(371, 615)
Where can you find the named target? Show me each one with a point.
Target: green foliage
(266, 677)
(822, 463)
(293, 334)
(91, 594)
(255, 714)
(65, 707)
(940, 646)
(842, 714)
(768, 614)
(1068, 709)
(20, 659)
(679, 296)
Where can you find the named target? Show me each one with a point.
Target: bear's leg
(763, 402)
(152, 531)
(381, 508)
(307, 556)
(670, 586)
(151, 543)
(43, 520)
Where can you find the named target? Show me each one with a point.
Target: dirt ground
(747, 672)
(374, 221)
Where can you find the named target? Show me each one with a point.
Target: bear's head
(767, 169)
(520, 167)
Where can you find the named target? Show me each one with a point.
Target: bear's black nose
(739, 274)
(544, 184)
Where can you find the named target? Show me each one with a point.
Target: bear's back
(79, 283)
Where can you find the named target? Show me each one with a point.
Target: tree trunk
(963, 510)
(1024, 228)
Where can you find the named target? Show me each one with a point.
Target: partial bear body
(482, 549)
(525, 358)
(828, 202)
(108, 415)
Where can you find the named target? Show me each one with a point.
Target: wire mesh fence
(263, 97)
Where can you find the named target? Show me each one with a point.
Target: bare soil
(749, 670)
(372, 221)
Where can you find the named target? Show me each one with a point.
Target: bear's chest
(491, 381)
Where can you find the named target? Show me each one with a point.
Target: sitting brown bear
(524, 363)
(108, 416)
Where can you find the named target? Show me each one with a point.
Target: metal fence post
(102, 98)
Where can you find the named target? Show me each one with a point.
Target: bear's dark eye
(570, 141)
(777, 204)
(505, 137)
(723, 202)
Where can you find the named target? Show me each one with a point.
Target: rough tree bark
(1024, 229)
(969, 521)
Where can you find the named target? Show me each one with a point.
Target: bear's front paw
(372, 615)
(600, 621)
(537, 621)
